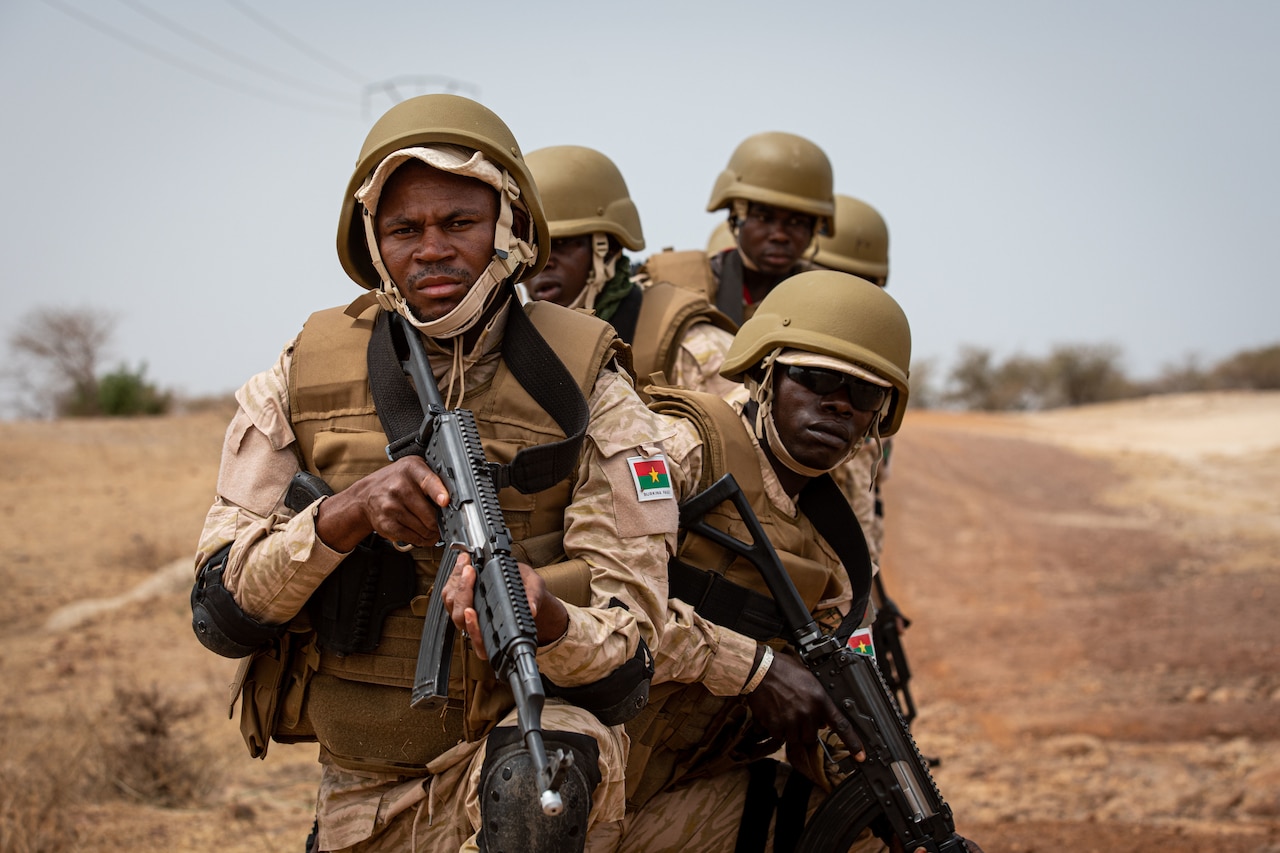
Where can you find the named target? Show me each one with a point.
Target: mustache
(438, 269)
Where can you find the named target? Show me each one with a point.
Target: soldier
(861, 247)
(825, 361)
(439, 220)
(777, 188)
(592, 217)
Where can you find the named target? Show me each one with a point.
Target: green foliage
(1185, 377)
(1257, 369)
(977, 382)
(1072, 375)
(1080, 374)
(1076, 375)
(125, 393)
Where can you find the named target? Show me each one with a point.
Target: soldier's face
(565, 274)
(819, 430)
(773, 238)
(435, 234)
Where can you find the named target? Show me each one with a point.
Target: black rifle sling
(827, 507)
(729, 291)
(535, 366)
(540, 371)
(393, 396)
(755, 615)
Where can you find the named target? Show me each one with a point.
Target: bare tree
(55, 356)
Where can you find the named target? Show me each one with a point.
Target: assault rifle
(473, 522)
(892, 791)
(890, 655)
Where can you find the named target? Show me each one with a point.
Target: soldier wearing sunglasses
(824, 363)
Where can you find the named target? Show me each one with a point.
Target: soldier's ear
(520, 222)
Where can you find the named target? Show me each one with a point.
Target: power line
(179, 62)
(391, 87)
(232, 56)
(296, 43)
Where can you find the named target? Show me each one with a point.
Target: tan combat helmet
(439, 120)
(834, 314)
(781, 170)
(583, 192)
(861, 243)
(721, 238)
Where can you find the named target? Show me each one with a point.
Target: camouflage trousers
(701, 816)
(364, 813)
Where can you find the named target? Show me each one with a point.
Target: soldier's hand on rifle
(398, 502)
(791, 705)
(549, 613)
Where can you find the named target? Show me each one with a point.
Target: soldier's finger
(844, 729)
(472, 621)
(429, 482)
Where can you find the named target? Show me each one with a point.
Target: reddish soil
(1092, 594)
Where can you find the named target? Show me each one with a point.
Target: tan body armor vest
(688, 269)
(358, 705)
(692, 270)
(686, 732)
(666, 314)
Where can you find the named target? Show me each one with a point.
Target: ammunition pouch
(350, 607)
(271, 686)
(219, 623)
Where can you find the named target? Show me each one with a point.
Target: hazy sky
(1083, 172)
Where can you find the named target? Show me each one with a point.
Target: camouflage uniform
(693, 270)
(277, 562)
(704, 813)
(698, 361)
(702, 816)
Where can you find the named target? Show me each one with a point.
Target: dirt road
(1094, 646)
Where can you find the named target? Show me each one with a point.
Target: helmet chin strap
(766, 430)
(511, 254)
(602, 269)
(738, 214)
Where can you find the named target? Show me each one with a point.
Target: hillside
(1092, 594)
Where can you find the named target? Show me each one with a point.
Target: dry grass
(138, 748)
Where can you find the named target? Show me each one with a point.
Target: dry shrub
(39, 786)
(144, 753)
(138, 748)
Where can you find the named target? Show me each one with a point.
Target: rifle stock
(893, 789)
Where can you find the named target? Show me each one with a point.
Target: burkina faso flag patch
(860, 642)
(649, 473)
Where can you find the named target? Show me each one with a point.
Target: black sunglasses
(863, 396)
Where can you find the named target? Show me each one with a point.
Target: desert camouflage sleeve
(623, 539)
(699, 359)
(694, 649)
(276, 559)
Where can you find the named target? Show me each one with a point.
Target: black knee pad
(511, 816)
